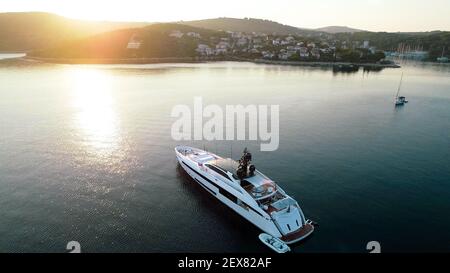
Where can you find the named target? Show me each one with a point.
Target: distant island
(54, 38)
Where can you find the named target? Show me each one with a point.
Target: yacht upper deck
(197, 155)
(257, 185)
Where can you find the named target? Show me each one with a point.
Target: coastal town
(319, 47)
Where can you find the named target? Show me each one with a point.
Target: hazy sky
(375, 15)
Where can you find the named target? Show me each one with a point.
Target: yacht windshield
(284, 203)
(258, 187)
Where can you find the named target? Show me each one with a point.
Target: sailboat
(400, 100)
(442, 59)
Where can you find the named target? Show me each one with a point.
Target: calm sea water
(86, 155)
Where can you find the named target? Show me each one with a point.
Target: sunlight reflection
(95, 116)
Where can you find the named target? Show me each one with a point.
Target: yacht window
(228, 195)
(242, 204)
(245, 183)
(217, 170)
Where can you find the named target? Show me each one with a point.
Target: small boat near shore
(345, 68)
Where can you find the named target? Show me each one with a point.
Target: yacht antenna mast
(244, 163)
(399, 85)
(231, 150)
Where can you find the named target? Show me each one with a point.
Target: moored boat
(247, 191)
(400, 100)
(274, 243)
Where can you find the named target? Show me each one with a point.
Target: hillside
(155, 41)
(52, 36)
(338, 29)
(246, 25)
(24, 31)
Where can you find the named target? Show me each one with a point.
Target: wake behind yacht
(248, 192)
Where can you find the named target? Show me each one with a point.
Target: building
(235, 35)
(134, 42)
(256, 41)
(326, 50)
(176, 34)
(315, 53)
(204, 50)
(366, 44)
(241, 41)
(286, 54)
(222, 47)
(303, 52)
(267, 55)
(193, 34)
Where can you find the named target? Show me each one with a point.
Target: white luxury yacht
(248, 192)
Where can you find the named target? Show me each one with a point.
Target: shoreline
(118, 60)
(200, 60)
(326, 64)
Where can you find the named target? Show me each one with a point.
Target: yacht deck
(299, 234)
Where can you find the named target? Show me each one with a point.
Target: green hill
(24, 31)
(154, 41)
(247, 25)
(338, 29)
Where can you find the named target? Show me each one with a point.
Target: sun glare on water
(95, 117)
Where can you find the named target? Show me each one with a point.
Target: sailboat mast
(399, 85)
